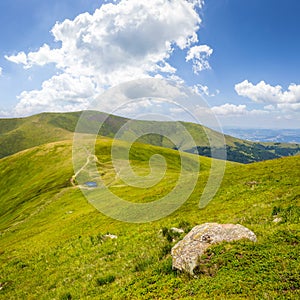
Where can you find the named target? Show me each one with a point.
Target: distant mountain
(266, 135)
(23, 133)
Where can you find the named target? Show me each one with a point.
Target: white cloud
(4, 114)
(289, 106)
(201, 89)
(228, 109)
(20, 58)
(1, 70)
(199, 56)
(275, 95)
(269, 107)
(123, 41)
(199, 3)
(263, 92)
(204, 90)
(166, 68)
(176, 110)
(292, 95)
(59, 93)
(44, 56)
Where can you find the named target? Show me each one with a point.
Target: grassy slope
(52, 244)
(23, 133)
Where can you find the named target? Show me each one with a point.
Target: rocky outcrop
(187, 252)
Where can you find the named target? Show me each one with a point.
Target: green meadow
(54, 244)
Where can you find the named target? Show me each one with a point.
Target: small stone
(178, 230)
(277, 220)
(110, 236)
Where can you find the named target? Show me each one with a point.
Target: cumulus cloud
(199, 56)
(44, 56)
(275, 96)
(198, 3)
(60, 93)
(20, 58)
(41, 57)
(229, 109)
(120, 41)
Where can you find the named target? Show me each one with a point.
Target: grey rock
(186, 253)
(110, 236)
(177, 230)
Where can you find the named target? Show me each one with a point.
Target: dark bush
(105, 280)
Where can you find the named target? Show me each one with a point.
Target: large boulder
(187, 252)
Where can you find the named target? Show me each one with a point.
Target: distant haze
(266, 135)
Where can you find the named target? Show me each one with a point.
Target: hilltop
(22, 133)
(54, 244)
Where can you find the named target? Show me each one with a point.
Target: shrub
(165, 267)
(291, 214)
(142, 264)
(276, 210)
(105, 280)
(165, 250)
(66, 296)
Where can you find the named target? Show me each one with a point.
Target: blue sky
(241, 56)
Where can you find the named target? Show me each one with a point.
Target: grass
(22, 133)
(53, 244)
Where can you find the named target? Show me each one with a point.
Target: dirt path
(92, 158)
(88, 160)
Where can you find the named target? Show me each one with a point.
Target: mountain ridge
(20, 133)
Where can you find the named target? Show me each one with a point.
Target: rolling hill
(55, 245)
(22, 133)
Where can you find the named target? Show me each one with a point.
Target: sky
(242, 57)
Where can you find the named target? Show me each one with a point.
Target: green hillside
(22, 133)
(53, 243)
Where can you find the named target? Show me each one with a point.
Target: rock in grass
(110, 236)
(187, 252)
(177, 230)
